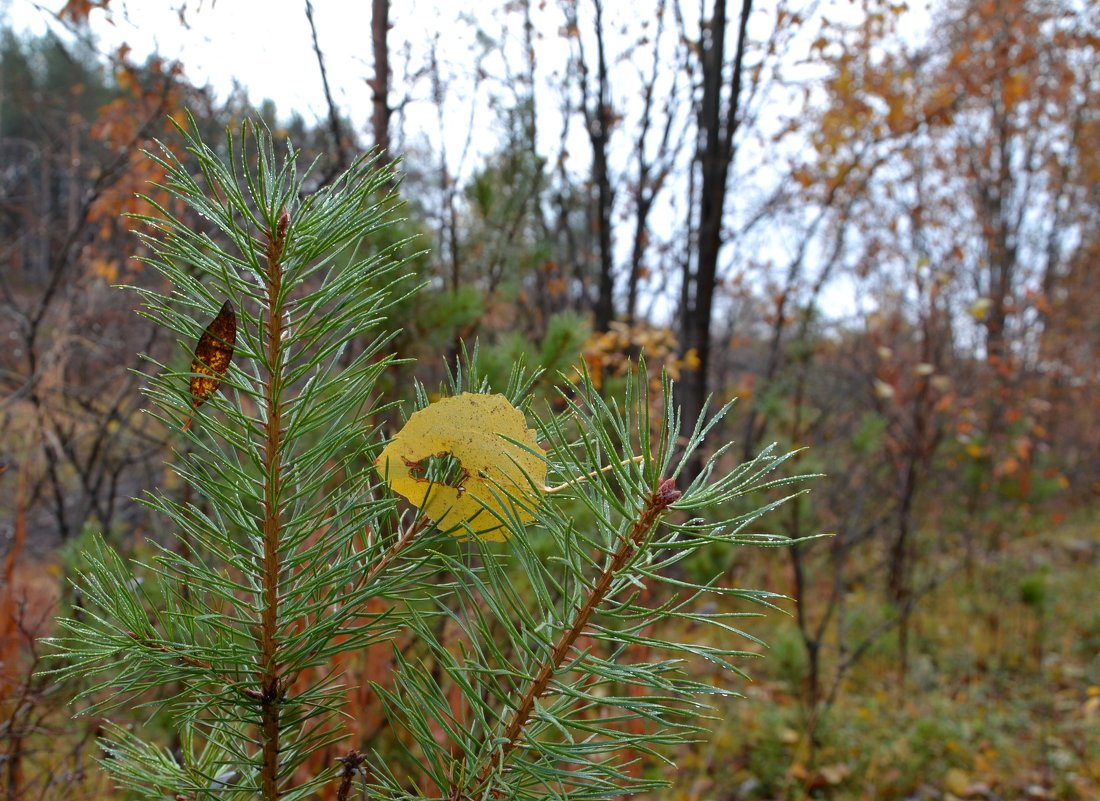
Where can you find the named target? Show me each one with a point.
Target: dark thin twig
(335, 129)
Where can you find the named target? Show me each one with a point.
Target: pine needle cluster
(525, 680)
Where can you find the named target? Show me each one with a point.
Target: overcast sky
(266, 47)
(263, 44)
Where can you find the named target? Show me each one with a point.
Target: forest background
(876, 226)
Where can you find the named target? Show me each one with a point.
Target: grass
(1001, 699)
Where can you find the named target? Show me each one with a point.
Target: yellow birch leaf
(494, 476)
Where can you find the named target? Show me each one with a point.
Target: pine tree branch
(271, 689)
(351, 766)
(275, 585)
(404, 539)
(654, 508)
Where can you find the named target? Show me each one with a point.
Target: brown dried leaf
(212, 357)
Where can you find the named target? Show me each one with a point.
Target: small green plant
(536, 663)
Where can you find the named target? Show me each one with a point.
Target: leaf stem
(607, 468)
(403, 540)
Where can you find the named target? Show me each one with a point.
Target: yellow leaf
(980, 308)
(1091, 707)
(105, 269)
(1015, 89)
(495, 478)
(835, 774)
(956, 781)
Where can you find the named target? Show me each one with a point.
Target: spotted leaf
(212, 356)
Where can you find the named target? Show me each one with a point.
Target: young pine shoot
(519, 558)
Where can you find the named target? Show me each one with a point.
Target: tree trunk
(380, 83)
(714, 154)
(599, 131)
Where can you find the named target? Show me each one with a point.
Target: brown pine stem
(403, 541)
(352, 765)
(271, 689)
(655, 506)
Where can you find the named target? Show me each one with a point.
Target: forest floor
(999, 698)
